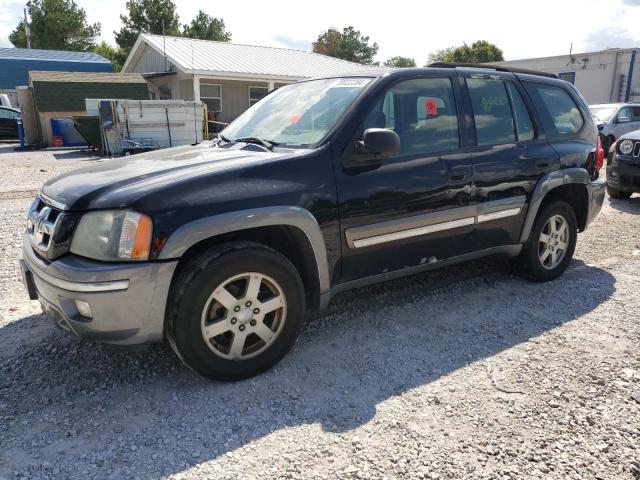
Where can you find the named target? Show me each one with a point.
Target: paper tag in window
(430, 106)
(295, 118)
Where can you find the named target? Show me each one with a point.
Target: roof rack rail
(489, 66)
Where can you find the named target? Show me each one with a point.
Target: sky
(411, 28)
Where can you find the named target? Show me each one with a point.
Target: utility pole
(26, 29)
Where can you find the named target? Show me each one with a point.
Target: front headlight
(113, 235)
(626, 147)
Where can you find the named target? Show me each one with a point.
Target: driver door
(413, 208)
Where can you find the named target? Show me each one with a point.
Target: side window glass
(423, 114)
(524, 124)
(625, 112)
(5, 113)
(564, 112)
(636, 114)
(491, 111)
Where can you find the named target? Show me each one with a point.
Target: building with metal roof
(228, 77)
(16, 63)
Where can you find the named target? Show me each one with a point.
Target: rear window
(565, 116)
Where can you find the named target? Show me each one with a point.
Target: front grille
(636, 149)
(49, 230)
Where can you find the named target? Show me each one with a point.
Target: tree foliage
(479, 51)
(206, 27)
(400, 62)
(147, 16)
(348, 45)
(56, 25)
(114, 54)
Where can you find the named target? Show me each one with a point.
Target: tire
(531, 263)
(241, 341)
(620, 194)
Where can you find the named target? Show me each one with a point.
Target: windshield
(603, 114)
(298, 115)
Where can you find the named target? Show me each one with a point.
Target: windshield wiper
(221, 137)
(268, 144)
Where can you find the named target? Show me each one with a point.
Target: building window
(256, 94)
(568, 77)
(211, 94)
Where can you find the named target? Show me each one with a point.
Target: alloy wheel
(243, 316)
(553, 242)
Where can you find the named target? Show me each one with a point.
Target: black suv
(322, 186)
(623, 166)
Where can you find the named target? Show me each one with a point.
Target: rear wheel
(551, 243)
(620, 194)
(237, 311)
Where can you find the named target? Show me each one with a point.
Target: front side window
(423, 114)
(298, 115)
(256, 94)
(625, 112)
(211, 94)
(491, 111)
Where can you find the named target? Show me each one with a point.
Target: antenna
(27, 31)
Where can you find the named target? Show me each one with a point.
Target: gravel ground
(468, 372)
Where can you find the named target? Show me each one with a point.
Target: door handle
(460, 174)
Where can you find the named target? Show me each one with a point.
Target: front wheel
(236, 311)
(551, 243)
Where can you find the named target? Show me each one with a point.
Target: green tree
(115, 55)
(400, 62)
(56, 25)
(442, 55)
(348, 45)
(147, 16)
(206, 27)
(479, 51)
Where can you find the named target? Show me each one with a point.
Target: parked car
(614, 120)
(9, 122)
(623, 166)
(322, 186)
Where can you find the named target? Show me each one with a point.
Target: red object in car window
(430, 106)
(295, 118)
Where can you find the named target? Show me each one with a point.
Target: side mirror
(623, 119)
(380, 141)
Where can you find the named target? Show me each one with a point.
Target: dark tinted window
(565, 114)
(491, 111)
(524, 124)
(422, 112)
(636, 114)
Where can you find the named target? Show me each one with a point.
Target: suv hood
(119, 182)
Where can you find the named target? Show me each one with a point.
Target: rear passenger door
(511, 155)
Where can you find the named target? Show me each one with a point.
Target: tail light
(599, 153)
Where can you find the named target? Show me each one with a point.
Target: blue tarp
(15, 64)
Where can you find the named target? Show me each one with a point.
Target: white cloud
(414, 29)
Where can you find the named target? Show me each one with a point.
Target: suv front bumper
(622, 176)
(127, 300)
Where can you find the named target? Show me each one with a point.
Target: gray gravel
(403, 380)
